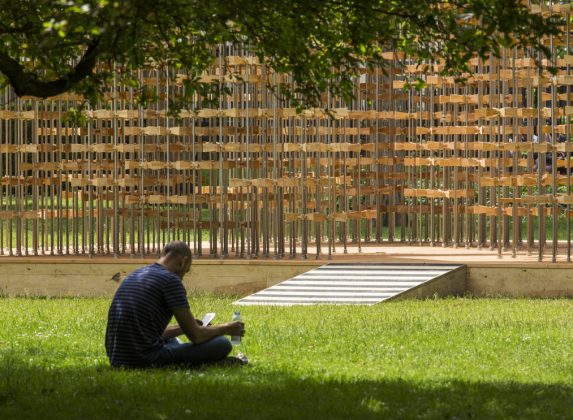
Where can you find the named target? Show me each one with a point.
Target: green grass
(443, 358)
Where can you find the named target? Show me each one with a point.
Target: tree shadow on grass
(97, 391)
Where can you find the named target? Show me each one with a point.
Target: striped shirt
(140, 311)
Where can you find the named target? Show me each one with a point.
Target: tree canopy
(48, 47)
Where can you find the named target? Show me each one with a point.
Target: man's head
(176, 257)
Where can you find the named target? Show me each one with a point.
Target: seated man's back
(139, 314)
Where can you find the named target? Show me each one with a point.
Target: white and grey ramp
(361, 284)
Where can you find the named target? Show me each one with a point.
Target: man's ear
(183, 263)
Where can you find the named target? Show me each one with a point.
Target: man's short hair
(179, 248)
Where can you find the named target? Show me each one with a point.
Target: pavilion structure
(481, 163)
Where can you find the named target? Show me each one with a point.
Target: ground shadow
(98, 391)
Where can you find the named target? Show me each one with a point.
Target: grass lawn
(443, 358)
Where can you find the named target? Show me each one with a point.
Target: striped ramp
(349, 284)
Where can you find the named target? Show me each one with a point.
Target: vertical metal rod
(222, 187)
(515, 169)
(36, 186)
(115, 227)
(554, 205)
(331, 221)
(277, 193)
(20, 177)
(4, 157)
(541, 159)
(59, 190)
(249, 209)
(90, 191)
(141, 172)
(567, 120)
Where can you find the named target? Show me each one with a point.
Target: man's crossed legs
(176, 353)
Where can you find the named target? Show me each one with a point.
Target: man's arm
(175, 331)
(171, 332)
(197, 333)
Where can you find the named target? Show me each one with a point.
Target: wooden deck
(383, 253)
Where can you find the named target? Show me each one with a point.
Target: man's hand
(172, 331)
(197, 333)
(235, 328)
(175, 330)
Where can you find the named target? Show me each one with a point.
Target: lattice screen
(485, 163)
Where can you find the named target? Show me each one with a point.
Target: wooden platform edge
(101, 277)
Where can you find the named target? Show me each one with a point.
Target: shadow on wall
(254, 392)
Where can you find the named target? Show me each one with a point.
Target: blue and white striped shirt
(140, 311)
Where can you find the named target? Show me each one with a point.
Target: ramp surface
(359, 284)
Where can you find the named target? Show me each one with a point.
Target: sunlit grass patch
(435, 358)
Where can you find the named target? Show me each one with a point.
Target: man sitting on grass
(137, 334)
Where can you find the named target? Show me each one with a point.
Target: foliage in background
(52, 46)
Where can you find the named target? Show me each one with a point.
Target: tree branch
(28, 84)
